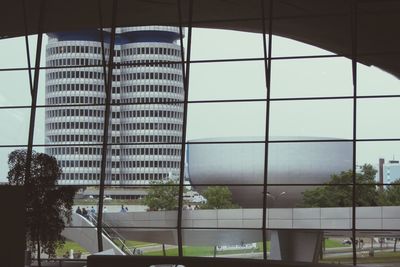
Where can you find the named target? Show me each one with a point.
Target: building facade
(146, 113)
(389, 172)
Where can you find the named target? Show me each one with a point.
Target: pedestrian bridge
(337, 221)
(237, 226)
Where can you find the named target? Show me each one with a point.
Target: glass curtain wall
(186, 141)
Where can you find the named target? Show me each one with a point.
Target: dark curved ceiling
(322, 23)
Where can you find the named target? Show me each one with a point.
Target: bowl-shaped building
(293, 167)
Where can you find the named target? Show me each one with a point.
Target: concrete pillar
(295, 245)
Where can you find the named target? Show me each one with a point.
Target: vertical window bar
(34, 90)
(185, 74)
(108, 87)
(267, 69)
(353, 25)
(28, 56)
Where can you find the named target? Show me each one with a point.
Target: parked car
(346, 242)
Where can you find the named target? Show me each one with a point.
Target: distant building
(390, 171)
(142, 112)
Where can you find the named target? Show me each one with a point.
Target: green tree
(218, 197)
(391, 195)
(48, 206)
(334, 194)
(162, 195)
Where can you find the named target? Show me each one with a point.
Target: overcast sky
(377, 118)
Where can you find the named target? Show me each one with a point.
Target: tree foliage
(338, 192)
(49, 206)
(218, 197)
(391, 195)
(162, 195)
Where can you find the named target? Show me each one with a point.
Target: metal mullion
(242, 185)
(34, 91)
(353, 27)
(108, 87)
(267, 72)
(200, 61)
(217, 142)
(28, 57)
(210, 101)
(185, 74)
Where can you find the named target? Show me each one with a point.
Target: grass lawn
(195, 250)
(187, 251)
(209, 250)
(68, 246)
(138, 244)
(93, 201)
(329, 243)
(380, 257)
(203, 251)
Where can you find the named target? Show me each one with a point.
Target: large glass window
(278, 136)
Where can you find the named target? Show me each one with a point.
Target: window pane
(147, 241)
(15, 88)
(226, 120)
(217, 44)
(308, 162)
(15, 121)
(4, 168)
(373, 81)
(228, 80)
(327, 119)
(222, 243)
(371, 114)
(317, 77)
(334, 243)
(382, 156)
(226, 163)
(380, 247)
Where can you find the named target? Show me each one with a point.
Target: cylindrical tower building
(144, 118)
(154, 118)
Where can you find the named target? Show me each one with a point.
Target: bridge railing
(112, 234)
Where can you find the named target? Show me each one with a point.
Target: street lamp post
(275, 197)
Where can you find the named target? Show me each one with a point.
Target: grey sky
(242, 80)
